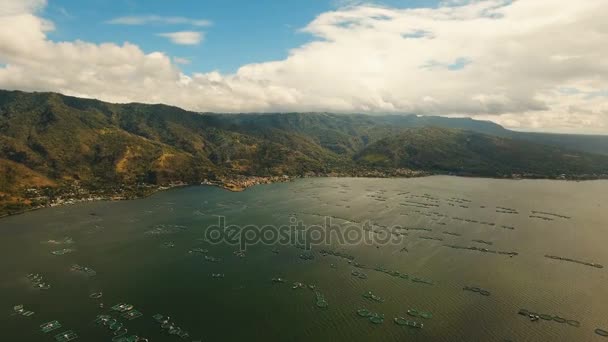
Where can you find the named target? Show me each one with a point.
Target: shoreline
(243, 183)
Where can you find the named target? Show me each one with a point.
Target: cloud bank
(526, 64)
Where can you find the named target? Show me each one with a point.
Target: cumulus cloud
(184, 37)
(527, 64)
(157, 19)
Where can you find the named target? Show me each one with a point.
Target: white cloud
(13, 7)
(157, 19)
(528, 64)
(181, 60)
(184, 37)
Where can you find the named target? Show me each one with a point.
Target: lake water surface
(128, 245)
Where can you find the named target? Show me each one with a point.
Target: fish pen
(50, 326)
(66, 336)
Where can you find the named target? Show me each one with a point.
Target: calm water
(119, 241)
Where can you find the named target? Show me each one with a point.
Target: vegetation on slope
(49, 140)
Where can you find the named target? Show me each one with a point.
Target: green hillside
(470, 153)
(53, 141)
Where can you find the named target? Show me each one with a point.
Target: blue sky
(495, 60)
(242, 31)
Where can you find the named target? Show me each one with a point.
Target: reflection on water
(476, 260)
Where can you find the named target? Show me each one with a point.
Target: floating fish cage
(133, 338)
(66, 336)
(413, 312)
(426, 315)
(376, 318)
(122, 307)
(168, 245)
(400, 321)
(38, 282)
(120, 332)
(535, 317)
(63, 251)
(109, 322)
(364, 313)
(307, 256)
(170, 327)
(358, 274)
(370, 295)
(212, 259)
(116, 326)
(559, 319)
(601, 332)
(101, 319)
(413, 324)
(131, 315)
(96, 295)
(477, 290)
(83, 269)
(321, 302)
(50, 326)
(199, 250)
(573, 323)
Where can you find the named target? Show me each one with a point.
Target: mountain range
(49, 140)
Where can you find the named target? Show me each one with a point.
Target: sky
(532, 65)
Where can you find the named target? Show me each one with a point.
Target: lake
(446, 234)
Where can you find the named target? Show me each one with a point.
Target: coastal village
(75, 192)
